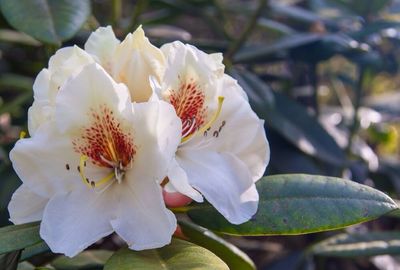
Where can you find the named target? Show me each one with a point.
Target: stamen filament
(93, 184)
(208, 125)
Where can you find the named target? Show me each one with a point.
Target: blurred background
(324, 74)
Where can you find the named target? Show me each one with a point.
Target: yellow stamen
(22, 134)
(93, 184)
(208, 125)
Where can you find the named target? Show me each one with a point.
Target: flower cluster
(115, 125)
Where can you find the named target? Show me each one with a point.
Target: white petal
(136, 59)
(190, 63)
(65, 63)
(89, 90)
(40, 112)
(237, 131)
(224, 181)
(178, 178)
(75, 220)
(102, 45)
(142, 220)
(46, 162)
(26, 206)
(41, 86)
(157, 135)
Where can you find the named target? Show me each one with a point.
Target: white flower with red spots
(94, 167)
(131, 62)
(223, 149)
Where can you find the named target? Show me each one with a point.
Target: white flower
(131, 61)
(223, 149)
(95, 167)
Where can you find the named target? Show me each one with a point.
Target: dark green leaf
(17, 237)
(26, 266)
(9, 261)
(178, 255)
(33, 250)
(291, 120)
(299, 203)
(85, 260)
(233, 257)
(50, 21)
(280, 47)
(356, 245)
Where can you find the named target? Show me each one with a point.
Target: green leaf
(232, 256)
(25, 266)
(85, 260)
(291, 120)
(356, 245)
(50, 21)
(298, 203)
(278, 48)
(9, 261)
(17, 237)
(178, 255)
(33, 250)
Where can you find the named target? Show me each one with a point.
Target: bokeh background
(324, 74)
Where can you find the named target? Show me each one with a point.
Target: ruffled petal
(66, 62)
(46, 162)
(156, 136)
(142, 219)
(237, 131)
(179, 180)
(224, 180)
(26, 206)
(89, 91)
(75, 220)
(135, 60)
(102, 45)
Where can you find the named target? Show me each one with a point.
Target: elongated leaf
(9, 261)
(50, 21)
(356, 245)
(291, 120)
(178, 255)
(17, 237)
(299, 203)
(33, 250)
(85, 260)
(280, 47)
(233, 257)
(25, 266)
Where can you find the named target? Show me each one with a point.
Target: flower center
(189, 104)
(105, 144)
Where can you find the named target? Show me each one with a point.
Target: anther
(22, 134)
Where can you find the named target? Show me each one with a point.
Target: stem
(223, 17)
(357, 103)
(314, 85)
(139, 8)
(116, 12)
(237, 44)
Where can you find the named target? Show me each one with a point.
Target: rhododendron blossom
(131, 62)
(116, 125)
(94, 168)
(223, 149)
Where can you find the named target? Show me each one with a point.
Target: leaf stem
(139, 8)
(357, 104)
(237, 44)
(116, 12)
